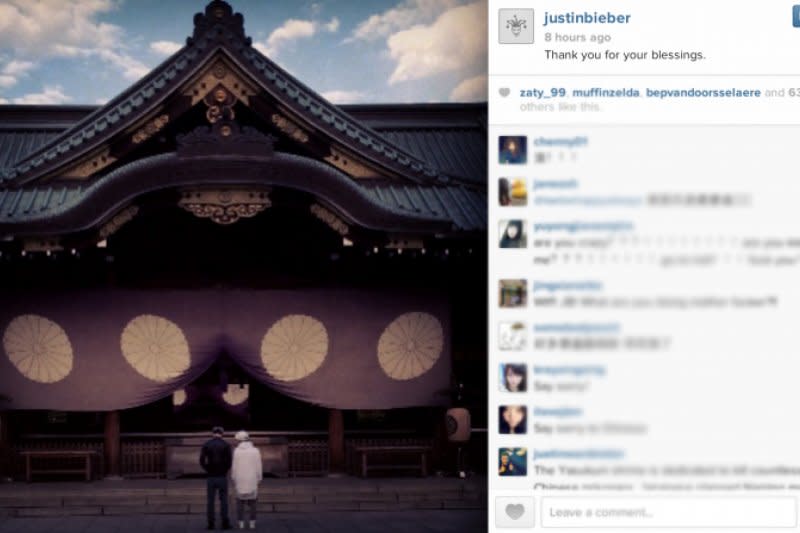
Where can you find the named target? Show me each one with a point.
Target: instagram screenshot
(441, 265)
(243, 259)
(643, 244)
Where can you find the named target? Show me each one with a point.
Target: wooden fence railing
(18, 462)
(143, 458)
(144, 455)
(308, 457)
(140, 458)
(353, 459)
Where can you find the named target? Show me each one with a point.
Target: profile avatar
(513, 149)
(513, 419)
(516, 25)
(512, 462)
(513, 377)
(513, 234)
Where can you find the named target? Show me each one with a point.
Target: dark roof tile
(465, 207)
(459, 152)
(16, 144)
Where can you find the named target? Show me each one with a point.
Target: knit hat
(242, 435)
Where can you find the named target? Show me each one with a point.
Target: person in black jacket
(216, 458)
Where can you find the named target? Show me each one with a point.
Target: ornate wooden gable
(218, 116)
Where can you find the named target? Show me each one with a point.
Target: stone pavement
(417, 521)
(47, 500)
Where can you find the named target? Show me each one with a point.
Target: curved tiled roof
(106, 119)
(458, 152)
(16, 144)
(215, 33)
(437, 152)
(449, 137)
(75, 207)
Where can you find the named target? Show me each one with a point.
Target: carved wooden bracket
(328, 217)
(225, 206)
(150, 129)
(47, 244)
(290, 128)
(94, 163)
(350, 165)
(117, 221)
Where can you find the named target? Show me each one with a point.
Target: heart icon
(515, 510)
(505, 91)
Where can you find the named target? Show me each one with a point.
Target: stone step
(275, 496)
(200, 509)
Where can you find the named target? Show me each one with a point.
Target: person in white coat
(246, 473)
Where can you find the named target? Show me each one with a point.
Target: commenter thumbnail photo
(513, 192)
(512, 336)
(513, 293)
(513, 150)
(513, 377)
(513, 234)
(513, 419)
(512, 462)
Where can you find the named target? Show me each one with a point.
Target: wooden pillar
(336, 441)
(4, 434)
(113, 455)
(5, 445)
(441, 444)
